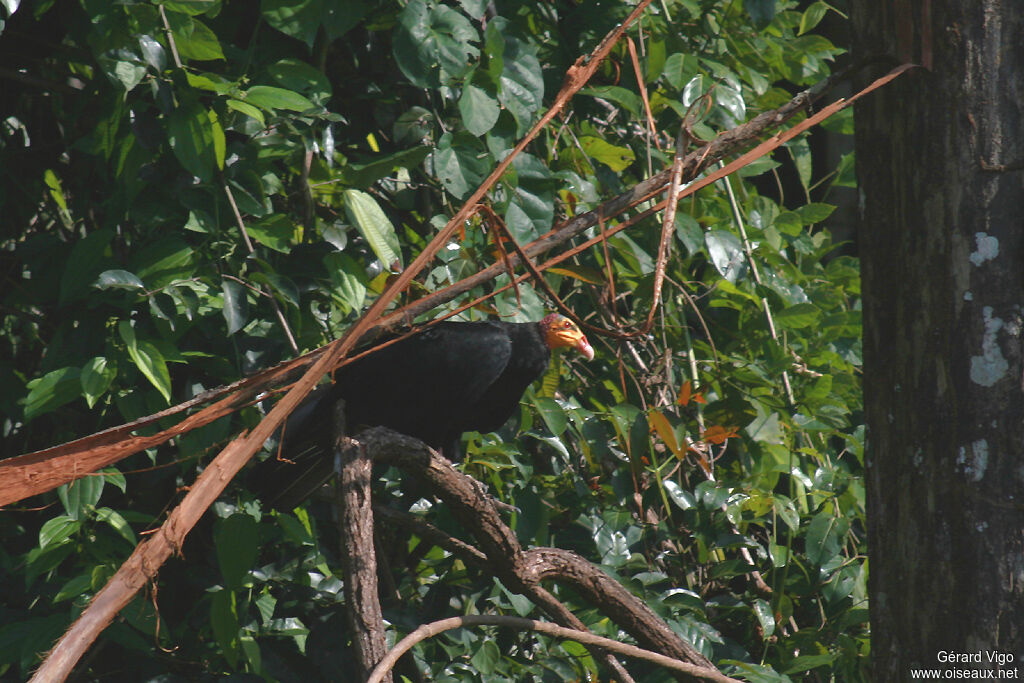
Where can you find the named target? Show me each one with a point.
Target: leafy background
(345, 133)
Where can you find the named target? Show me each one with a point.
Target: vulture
(450, 378)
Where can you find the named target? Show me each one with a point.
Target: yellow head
(560, 332)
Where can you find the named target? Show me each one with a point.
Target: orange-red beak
(563, 333)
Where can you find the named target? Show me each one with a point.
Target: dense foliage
(346, 132)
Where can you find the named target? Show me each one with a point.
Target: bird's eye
(567, 324)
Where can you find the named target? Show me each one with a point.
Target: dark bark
(358, 557)
(939, 159)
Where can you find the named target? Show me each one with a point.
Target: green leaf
(731, 100)
(689, 232)
(247, 109)
(280, 285)
(521, 84)
(362, 209)
(211, 82)
(127, 71)
(271, 98)
(763, 612)
(74, 587)
(81, 495)
(236, 305)
(154, 52)
(117, 523)
(460, 163)
(825, 536)
(96, 376)
(614, 157)
(433, 44)
(616, 93)
(678, 495)
(57, 531)
(296, 18)
(348, 279)
(800, 150)
(814, 212)
(727, 254)
(224, 620)
(761, 11)
(194, 39)
(118, 279)
(779, 555)
(191, 139)
(694, 89)
(552, 414)
(191, 7)
(679, 68)
(297, 76)
(765, 428)
(237, 543)
(276, 231)
(807, 662)
(786, 511)
(486, 658)
(52, 390)
(811, 16)
(162, 262)
(798, 316)
(147, 359)
(363, 175)
(303, 18)
(479, 110)
(531, 210)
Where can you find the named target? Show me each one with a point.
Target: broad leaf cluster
(196, 190)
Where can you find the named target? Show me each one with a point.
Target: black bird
(451, 378)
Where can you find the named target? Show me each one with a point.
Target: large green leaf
(433, 44)
(236, 305)
(271, 98)
(190, 134)
(727, 254)
(348, 278)
(825, 536)
(194, 39)
(147, 359)
(96, 377)
(51, 391)
(237, 542)
(364, 211)
(461, 163)
(614, 157)
(479, 109)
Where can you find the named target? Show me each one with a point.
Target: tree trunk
(939, 160)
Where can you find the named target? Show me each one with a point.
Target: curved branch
(523, 571)
(429, 630)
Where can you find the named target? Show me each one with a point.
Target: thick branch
(358, 557)
(522, 571)
(473, 557)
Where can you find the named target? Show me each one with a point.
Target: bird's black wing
(527, 361)
(426, 386)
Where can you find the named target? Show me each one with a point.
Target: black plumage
(434, 385)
